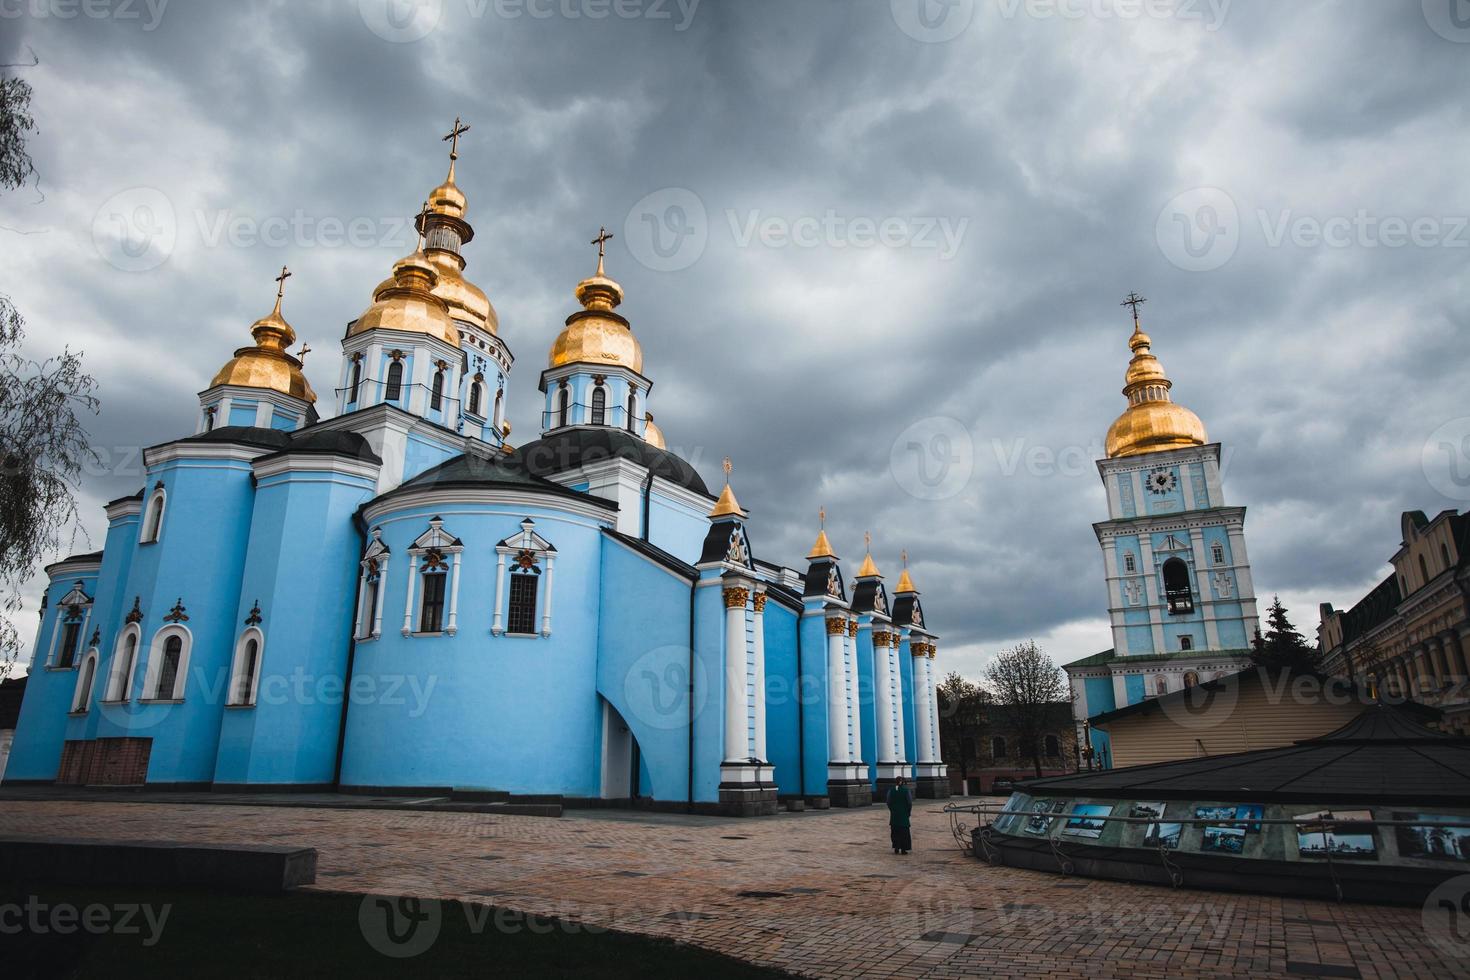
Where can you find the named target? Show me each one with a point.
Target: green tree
(43, 443)
(1282, 647)
(1024, 680)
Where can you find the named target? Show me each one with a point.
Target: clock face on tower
(1160, 481)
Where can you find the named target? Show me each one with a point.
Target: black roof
(309, 440)
(1383, 756)
(572, 448)
(249, 435)
(507, 471)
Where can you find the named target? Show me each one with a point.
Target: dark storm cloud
(1039, 147)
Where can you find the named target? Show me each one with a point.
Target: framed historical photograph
(1434, 840)
(1040, 819)
(1086, 820)
(1346, 834)
(1223, 840)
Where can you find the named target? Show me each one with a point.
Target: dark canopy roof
(572, 448)
(309, 440)
(505, 471)
(1383, 756)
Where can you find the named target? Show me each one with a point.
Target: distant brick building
(982, 755)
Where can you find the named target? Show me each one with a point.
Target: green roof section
(1111, 656)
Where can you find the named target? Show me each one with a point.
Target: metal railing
(580, 413)
(981, 839)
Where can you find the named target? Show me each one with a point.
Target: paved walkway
(817, 893)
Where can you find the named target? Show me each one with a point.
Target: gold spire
(823, 547)
(652, 434)
(869, 568)
(905, 583)
(727, 505)
(596, 334)
(269, 363)
(1152, 422)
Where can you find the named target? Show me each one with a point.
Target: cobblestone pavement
(817, 893)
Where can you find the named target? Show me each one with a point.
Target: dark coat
(900, 802)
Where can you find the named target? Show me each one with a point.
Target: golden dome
(269, 363)
(595, 334)
(652, 434)
(408, 303)
(869, 568)
(447, 198)
(1152, 421)
(727, 505)
(466, 301)
(905, 584)
(822, 548)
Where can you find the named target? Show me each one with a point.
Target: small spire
(603, 237)
(869, 567)
(727, 505)
(453, 140)
(423, 225)
(822, 548)
(281, 288)
(905, 583)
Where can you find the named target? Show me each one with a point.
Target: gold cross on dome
(281, 281)
(301, 354)
(423, 225)
(868, 540)
(729, 466)
(1134, 300)
(905, 556)
(822, 516)
(453, 138)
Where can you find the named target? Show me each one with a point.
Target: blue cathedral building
(1181, 602)
(395, 599)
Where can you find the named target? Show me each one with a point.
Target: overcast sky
(874, 251)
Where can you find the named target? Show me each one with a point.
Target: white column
(883, 698)
(359, 628)
(836, 692)
(546, 606)
(497, 623)
(855, 712)
(452, 627)
(758, 654)
(737, 718)
(413, 568)
(922, 718)
(382, 587)
(933, 706)
(896, 692)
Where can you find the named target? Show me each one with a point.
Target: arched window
(120, 680)
(1176, 587)
(71, 638)
(1191, 679)
(83, 697)
(997, 747)
(475, 397)
(168, 664)
(1444, 554)
(1052, 747)
(632, 408)
(1423, 568)
(499, 415)
(563, 402)
(431, 612)
(1161, 685)
(153, 518)
(1186, 643)
(246, 671)
(356, 385)
(209, 418)
(599, 405)
(436, 394)
(395, 382)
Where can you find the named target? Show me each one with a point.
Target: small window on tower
(1186, 643)
(1177, 590)
(436, 394)
(1217, 554)
(475, 397)
(395, 382)
(1129, 565)
(599, 405)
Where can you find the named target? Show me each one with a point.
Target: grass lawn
(156, 933)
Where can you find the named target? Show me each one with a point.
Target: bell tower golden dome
(269, 364)
(1152, 421)
(596, 334)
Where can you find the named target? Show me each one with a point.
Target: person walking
(900, 802)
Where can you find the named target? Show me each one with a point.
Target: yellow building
(1410, 636)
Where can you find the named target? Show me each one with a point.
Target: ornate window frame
(155, 665)
(74, 607)
(432, 547)
(373, 576)
(246, 699)
(154, 513)
(525, 547)
(119, 688)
